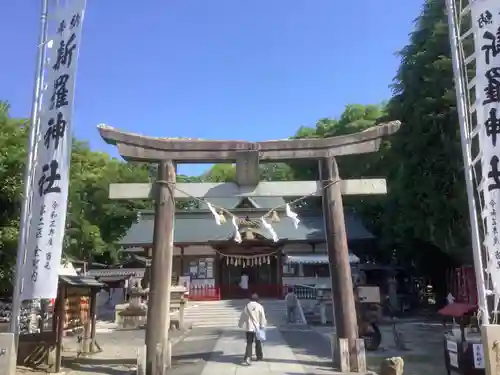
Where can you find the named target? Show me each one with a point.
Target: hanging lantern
(228, 260)
(268, 260)
(275, 217)
(222, 217)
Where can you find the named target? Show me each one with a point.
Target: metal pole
(28, 172)
(466, 142)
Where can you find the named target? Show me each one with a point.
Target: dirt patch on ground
(423, 341)
(424, 348)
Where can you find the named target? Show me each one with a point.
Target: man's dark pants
(258, 346)
(290, 314)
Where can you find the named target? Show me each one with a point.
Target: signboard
(478, 353)
(202, 268)
(53, 152)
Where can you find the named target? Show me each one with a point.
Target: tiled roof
(83, 281)
(200, 227)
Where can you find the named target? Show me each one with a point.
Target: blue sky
(218, 69)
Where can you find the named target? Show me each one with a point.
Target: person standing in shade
(253, 321)
(244, 282)
(291, 306)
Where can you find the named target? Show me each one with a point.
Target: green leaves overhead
(94, 223)
(427, 185)
(423, 164)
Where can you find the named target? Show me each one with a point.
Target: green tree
(276, 172)
(13, 138)
(94, 223)
(220, 173)
(355, 118)
(267, 172)
(427, 199)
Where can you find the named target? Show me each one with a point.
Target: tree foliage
(426, 202)
(94, 223)
(12, 161)
(268, 172)
(428, 196)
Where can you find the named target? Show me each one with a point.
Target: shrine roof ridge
(201, 228)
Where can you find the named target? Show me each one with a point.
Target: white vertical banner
(51, 167)
(486, 28)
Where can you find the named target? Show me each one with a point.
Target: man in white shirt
(252, 320)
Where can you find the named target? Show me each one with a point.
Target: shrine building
(207, 257)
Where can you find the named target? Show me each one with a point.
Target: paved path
(209, 351)
(227, 356)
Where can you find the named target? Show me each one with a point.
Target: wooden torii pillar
(168, 152)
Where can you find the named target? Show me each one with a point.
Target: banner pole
(29, 172)
(463, 118)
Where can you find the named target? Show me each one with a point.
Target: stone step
(226, 313)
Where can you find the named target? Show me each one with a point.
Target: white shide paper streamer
(216, 215)
(237, 235)
(292, 215)
(269, 229)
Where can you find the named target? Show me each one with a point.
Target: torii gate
(168, 152)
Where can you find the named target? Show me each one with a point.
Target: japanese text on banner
(51, 168)
(486, 28)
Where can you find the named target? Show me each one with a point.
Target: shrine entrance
(239, 278)
(252, 266)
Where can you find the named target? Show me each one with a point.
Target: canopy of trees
(422, 163)
(428, 197)
(94, 223)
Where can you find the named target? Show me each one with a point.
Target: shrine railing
(204, 293)
(215, 293)
(263, 291)
(303, 291)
